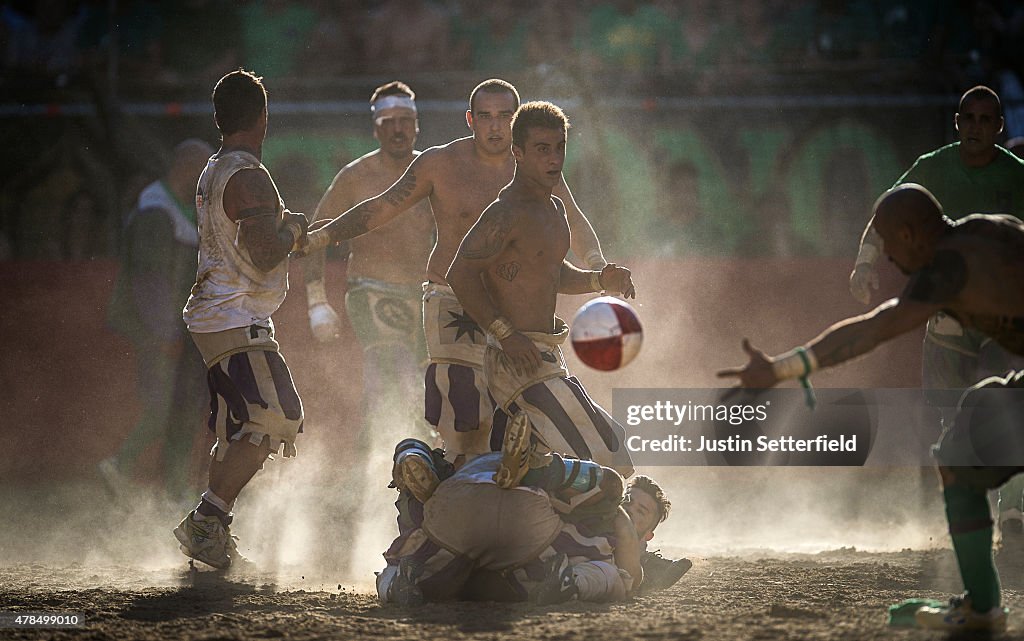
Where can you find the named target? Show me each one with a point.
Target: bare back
(463, 187)
(986, 255)
(523, 275)
(395, 252)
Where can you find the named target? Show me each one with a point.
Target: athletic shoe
(959, 615)
(206, 539)
(558, 585)
(402, 590)
(515, 452)
(413, 472)
(661, 573)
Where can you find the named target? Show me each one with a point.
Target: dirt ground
(840, 594)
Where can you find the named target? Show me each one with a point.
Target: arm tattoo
(263, 241)
(401, 190)
(354, 223)
(489, 238)
(508, 271)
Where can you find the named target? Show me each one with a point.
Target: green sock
(970, 524)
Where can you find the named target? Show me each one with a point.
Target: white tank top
(230, 291)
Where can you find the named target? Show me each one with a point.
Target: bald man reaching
(973, 270)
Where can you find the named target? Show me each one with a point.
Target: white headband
(391, 102)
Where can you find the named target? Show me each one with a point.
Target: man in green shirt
(158, 266)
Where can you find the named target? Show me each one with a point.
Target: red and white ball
(606, 333)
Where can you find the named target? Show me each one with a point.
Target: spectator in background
(697, 39)
(45, 41)
(275, 33)
(336, 44)
(408, 34)
(624, 35)
(491, 36)
(198, 40)
(158, 267)
(549, 49)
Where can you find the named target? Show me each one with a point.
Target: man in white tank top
(245, 235)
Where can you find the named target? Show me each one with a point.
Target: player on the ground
(466, 548)
(245, 235)
(972, 270)
(460, 179)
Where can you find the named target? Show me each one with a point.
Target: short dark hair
(494, 85)
(393, 88)
(647, 485)
(536, 113)
(238, 100)
(980, 92)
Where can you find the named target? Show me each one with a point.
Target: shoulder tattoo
(488, 239)
(941, 281)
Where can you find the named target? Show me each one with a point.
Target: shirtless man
(384, 271)
(507, 274)
(460, 179)
(972, 270)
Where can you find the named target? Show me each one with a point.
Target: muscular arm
(839, 343)
(573, 280)
(859, 335)
(478, 252)
(583, 239)
(414, 185)
(251, 200)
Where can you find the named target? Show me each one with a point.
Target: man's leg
(255, 412)
(970, 527)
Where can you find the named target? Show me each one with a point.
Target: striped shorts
(456, 400)
(251, 391)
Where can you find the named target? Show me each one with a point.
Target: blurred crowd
(962, 41)
(113, 51)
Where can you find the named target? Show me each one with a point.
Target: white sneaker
(206, 539)
(959, 615)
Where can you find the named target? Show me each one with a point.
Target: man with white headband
(384, 267)
(385, 272)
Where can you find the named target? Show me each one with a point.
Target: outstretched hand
(757, 373)
(618, 280)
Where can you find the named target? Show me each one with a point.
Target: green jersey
(996, 188)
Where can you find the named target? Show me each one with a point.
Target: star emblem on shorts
(463, 325)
